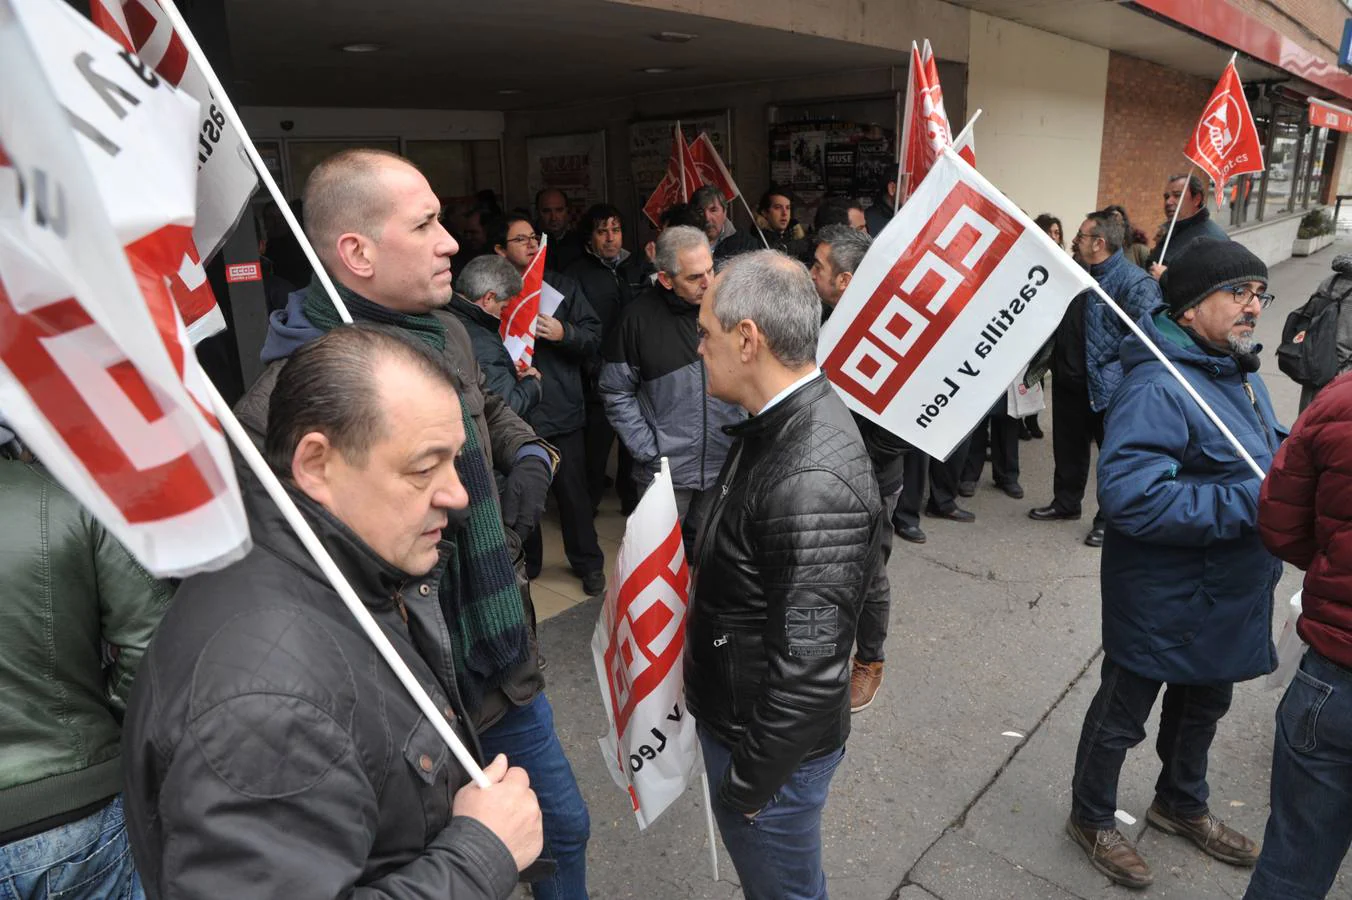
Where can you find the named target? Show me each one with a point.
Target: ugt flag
(682, 179)
(1225, 142)
(517, 325)
(709, 168)
(96, 371)
(651, 748)
(225, 177)
(954, 296)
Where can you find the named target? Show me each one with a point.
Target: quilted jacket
(1137, 294)
(782, 564)
(1186, 583)
(1304, 511)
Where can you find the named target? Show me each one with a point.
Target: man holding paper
(1187, 584)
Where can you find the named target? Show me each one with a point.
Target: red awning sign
(1326, 115)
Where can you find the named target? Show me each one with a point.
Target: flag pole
(245, 445)
(742, 197)
(1174, 221)
(966, 129)
(1187, 385)
(903, 134)
(232, 116)
(709, 823)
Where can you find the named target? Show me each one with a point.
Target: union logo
(1219, 124)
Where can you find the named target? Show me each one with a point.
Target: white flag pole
(709, 823)
(1187, 385)
(228, 108)
(273, 486)
(764, 241)
(903, 135)
(966, 129)
(1174, 221)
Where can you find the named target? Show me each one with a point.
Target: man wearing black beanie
(1186, 582)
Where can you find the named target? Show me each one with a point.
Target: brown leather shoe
(1213, 836)
(865, 679)
(1112, 854)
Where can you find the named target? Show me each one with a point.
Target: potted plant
(1315, 232)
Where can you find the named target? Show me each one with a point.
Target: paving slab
(959, 868)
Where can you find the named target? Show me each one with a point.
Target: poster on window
(818, 159)
(573, 163)
(650, 145)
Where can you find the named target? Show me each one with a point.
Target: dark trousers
(600, 437)
(1074, 426)
(1115, 723)
(872, 631)
(575, 510)
(1001, 433)
(943, 484)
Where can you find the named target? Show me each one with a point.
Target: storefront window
(1286, 151)
(1298, 159)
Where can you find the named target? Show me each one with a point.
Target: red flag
(518, 316)
(710, 168)
(1225, 142)
(680, 181)
(925, 129)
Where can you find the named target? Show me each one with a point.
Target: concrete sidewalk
(956, 781)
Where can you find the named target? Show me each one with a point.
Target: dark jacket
(66, 586)
(566, 364)
(885, 449)
(270, 753)
(878, 215)
(609, 288)
(1304, 510)
(1136, 293)
(734, 243)
(1067, 344)
(1186, 583)
(1185, 232)
(495, 362)
(781, 568)
(564, 252)
(655, 392)
(503, 436)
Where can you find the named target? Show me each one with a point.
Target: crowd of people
(243, 738)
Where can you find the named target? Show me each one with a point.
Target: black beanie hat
(1208, 265)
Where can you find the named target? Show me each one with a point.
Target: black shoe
(594, 583)
(910, 533)
(966, 488)
(956, 514)
(1094, 538)
(1034, 428)
(1013, 489)
(1051, 514)
(1024, 433)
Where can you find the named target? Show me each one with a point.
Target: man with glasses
(1078, 404)
(566, 341)
(1186, 582)
(1194, 221)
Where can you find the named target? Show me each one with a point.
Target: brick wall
(1316, 25)
(1149, 114)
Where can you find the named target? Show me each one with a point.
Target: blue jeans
(526, 736)
(89, 858)
(1310, 826)
(778, 854)
(1115, 723)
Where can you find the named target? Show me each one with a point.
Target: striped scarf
(479, 594)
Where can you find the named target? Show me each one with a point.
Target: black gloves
(523, 496)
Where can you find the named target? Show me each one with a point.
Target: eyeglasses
(1243, 296)
(524, 239)
(1081, 234)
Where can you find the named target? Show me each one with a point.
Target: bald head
(347, 193)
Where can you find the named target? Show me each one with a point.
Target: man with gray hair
(725, 241)
(653, 381)
(781, 568)
(839, 251)
(486, 286)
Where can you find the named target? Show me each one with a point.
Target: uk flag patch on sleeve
(810, 630)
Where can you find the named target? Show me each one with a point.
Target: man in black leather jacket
(781, 567)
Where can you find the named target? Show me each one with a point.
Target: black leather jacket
(781, 568)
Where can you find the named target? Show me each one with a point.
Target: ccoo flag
(519, 316)
(651, 748)
(951, 301)
(96, 371)
(1225, 142)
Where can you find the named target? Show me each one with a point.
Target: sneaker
(1111, 853)
(1214, 837)
(594, 583)
(865, 679)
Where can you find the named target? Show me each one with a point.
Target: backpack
(1308, 353)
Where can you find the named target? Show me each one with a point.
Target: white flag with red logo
(1225, 142)
(96, 371)
(225, 177)
(953, 298)
(682, 179)
(710, 169)
(517, 325)
(651, 748)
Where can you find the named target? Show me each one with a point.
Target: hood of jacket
(288, 330)
(472, 313)
(1177, 345)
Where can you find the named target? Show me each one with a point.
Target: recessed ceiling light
(361, 47)
(509, 91)
(674, 37)
(660, 70)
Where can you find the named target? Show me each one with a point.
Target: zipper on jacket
(1262, 420)
(720, 641)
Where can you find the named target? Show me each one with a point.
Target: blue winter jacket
(1136, 293)
(1186, 582)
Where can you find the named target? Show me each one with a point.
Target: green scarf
(479, 594)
